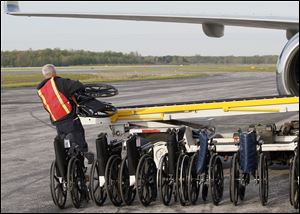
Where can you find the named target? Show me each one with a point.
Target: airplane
(287, 74)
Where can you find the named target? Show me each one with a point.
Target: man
(56, 94)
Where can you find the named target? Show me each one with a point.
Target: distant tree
(79, 57)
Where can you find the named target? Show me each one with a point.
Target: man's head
(49, 71)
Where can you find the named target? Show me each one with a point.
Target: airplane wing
(213, 26)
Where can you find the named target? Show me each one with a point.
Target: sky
(146, 38)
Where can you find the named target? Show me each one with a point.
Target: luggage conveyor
(157, 118)
(177, 111)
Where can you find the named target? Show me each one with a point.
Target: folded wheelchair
(186, 167)
(67, 173)
(204, 171)
(249, 160)
(137, 173)
(104, 170)
(168, 169)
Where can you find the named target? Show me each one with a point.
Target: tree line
(58, 57)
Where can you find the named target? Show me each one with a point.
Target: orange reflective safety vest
(57, 105)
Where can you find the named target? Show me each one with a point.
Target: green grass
(231, 68)
(32, 80)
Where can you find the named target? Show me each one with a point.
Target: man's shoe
(89, 156)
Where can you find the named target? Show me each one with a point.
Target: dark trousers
(73, 128)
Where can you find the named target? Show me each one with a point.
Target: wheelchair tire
(58, 191)
(111, 180)
(216, 179)
(181, 180)
(295, 182)
(146, 186)
(127, 192)
(177, 175)
(100, 90)
(263, 179)
(164, 181)
(76, 181)
(98, 193)
(234, 180)
(290, 182)
(193, 181)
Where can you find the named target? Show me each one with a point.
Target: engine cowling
(288, 68)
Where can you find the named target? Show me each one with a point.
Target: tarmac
(27, 143)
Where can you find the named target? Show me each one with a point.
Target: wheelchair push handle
(210, 132)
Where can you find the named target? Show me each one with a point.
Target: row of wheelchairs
(188, 169)
(112, 174)
(190, 174)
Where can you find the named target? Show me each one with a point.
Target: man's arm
(71, 86)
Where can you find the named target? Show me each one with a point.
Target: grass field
(29, 77)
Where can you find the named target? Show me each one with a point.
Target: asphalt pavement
(27, 142)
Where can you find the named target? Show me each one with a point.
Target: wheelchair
(294, 178)
(169, 165)
(249, 160)
(137, 173)
(204, 171)
(89, 106)
(104, 170)
(67, 173)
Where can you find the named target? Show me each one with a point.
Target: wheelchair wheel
(216, 179)
(98, 193)
(177, 177)
(181, 179)
(290, 181)
(295, 182)
(127, 192)
(263, 179)
(146, 180)
(76, 181)
(58, 190)
(165, 182)
(111, 180)
(193, 181)
(100, 90)
(234, 180)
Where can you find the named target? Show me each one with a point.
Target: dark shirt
(67, 87)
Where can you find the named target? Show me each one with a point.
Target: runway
(27, 143)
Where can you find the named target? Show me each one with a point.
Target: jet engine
(288, 68)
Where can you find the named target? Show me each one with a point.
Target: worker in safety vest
(56, 95)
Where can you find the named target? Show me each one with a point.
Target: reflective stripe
(58, 96)
(46, 104)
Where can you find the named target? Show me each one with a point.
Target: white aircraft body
(213, 26)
